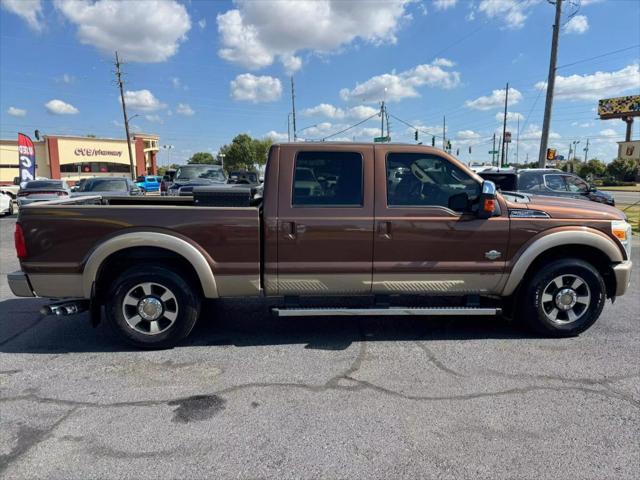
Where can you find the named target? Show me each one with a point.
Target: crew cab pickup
(397, 229)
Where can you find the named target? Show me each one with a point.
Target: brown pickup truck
(399, 229)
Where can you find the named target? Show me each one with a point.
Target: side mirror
(459, 202)
(488, 202)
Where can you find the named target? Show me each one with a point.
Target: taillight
(21, 246)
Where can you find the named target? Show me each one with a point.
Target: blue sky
(198, 73)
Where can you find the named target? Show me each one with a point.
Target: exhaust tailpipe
(69, 307)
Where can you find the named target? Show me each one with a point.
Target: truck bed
(62, 235)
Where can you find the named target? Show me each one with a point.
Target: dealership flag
(27, 157)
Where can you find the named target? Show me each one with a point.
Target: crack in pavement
(435, 361)
(28, 438)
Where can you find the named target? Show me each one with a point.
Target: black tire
(542, 298)
(149, 283)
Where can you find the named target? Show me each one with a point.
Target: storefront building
(72, 158)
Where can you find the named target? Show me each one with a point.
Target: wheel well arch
(587, 244)
(119, 261)
(589, 254)
(150, 246)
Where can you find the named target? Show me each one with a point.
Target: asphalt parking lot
(250, 396)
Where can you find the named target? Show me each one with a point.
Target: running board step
(390, 311)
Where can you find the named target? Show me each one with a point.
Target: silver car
(42, 191)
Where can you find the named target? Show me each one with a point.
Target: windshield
(39, 184)
(105, 186)
(193, 172)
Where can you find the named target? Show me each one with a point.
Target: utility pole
(493, 150)
(444, 132)
(586, 151)
(518, 142)
(288, 127)
(382, 119)
(504, 124)
(124, 113)
(551, 82)
(293, 110)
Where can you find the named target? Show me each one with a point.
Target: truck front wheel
(563, 299)
(151, 306)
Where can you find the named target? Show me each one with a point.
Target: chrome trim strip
(526, 213)
(391, 311)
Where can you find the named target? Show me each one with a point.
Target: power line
(637, 45)
(350, 127)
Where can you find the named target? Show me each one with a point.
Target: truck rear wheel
(152, 307)
(563, 299)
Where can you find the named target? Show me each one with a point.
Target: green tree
(623, 170)
(594, 168)
(203, 157)
(261, 148)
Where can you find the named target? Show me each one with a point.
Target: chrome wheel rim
(150, 308)
(566, 299)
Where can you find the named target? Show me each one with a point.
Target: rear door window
(328, 179)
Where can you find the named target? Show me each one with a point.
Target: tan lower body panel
(238, 285)
(324, 284)
(57, 285)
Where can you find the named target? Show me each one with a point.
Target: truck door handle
(292, 229)
(384, 229)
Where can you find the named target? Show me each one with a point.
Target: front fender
(547, 240)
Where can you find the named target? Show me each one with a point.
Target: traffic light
(416, 135)
(449, 145)
(469, 149)
(433, 141)
(457, 152)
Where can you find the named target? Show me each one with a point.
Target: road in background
(251, 396)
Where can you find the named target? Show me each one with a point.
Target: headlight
(622, 231)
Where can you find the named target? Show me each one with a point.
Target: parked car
(546, 181)
(7, 204)
(148, 183)
(42, 191)
(189, 176)
(111, 186)
(441, 237)
(242, 177)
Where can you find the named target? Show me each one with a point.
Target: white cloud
(534, 133)
(29, 10)
(577, 24)
(66, 78)
(444, 4)
(202, 23)
(141, 31)
(467, 135)
(582, 125)
(255, 34)
(177, 83)
(511, 117)
(495, 100)
(291, 63)
(251, 88)
(277, 136)
(155, 118)
(142, 100)
(513, 13)
(58, 107)
(16, 112)
(359, 112)
(397, 86)
(185, 109)
(595, 86)
(609, 132)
